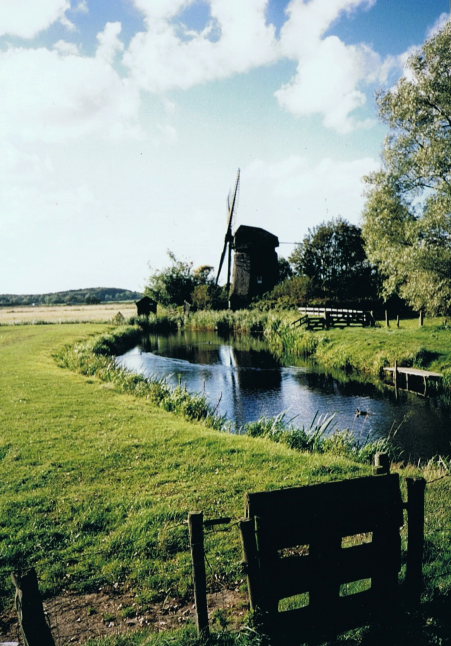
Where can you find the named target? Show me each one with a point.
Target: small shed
(146, 306)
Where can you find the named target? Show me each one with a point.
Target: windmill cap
(246, 236)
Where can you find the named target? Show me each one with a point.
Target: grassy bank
(95, 357)
(368, 350)
(364, 351)
(97, 484)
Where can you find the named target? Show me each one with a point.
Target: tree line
(89, 296)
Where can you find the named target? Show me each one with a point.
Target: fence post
(387, 319)
(196, 537)
(415, 536)
(30, 612)
(382, 463)
(421, 318)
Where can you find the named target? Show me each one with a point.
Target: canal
(244, 381)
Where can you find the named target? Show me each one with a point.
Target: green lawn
(366, 350)
(96, 485)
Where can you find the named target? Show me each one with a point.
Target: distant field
(65, 313)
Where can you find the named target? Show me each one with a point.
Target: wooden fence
(314, 318)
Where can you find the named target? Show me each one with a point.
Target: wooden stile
(295, 542)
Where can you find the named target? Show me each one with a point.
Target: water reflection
(245, 381)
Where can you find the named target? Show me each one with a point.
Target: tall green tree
(172, 285)
(179, 282)
(333, 257)
(407, 217)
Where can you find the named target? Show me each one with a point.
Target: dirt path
(74, 619)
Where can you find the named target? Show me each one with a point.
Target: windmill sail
(231, 205)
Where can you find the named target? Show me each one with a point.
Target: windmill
(228, 239)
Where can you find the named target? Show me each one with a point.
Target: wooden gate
(303, 547)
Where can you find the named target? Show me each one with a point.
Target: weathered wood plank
(350, 506)
(413, 372)
(30, 612)
(196, 535)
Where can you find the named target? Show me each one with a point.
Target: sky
(123, 124)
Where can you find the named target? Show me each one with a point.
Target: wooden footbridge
(412, 379)
(316, 318)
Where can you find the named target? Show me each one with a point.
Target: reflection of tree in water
(245, 377)
(326, 383)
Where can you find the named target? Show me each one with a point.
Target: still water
(244, 381)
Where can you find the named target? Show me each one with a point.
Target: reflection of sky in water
(243, 392)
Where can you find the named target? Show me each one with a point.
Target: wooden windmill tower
(255, 267)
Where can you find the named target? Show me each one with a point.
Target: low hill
(90, 295)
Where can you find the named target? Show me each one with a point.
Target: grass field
(96, 486)
(65, 313)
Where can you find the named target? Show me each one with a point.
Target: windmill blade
(221, 262)
(231, 206)
(230, 236)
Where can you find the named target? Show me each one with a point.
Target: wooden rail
(326, 317)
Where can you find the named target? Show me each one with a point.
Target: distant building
(146, 306)
(256, 267)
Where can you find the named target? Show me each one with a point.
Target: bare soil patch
(75, 618)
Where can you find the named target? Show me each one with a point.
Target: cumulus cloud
(331, 78)
(109, 42)
(438, 25)
(26, 19)
(320, 191)
(168, 55)
(331, 75)
(57, 94)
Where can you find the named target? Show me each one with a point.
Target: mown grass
(96, 484)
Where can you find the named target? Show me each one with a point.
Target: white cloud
(56, 95)
(331, 75)
(26, 19)
(109, 42)
(438, 25)
(327, 83)
(167, 56)
(331, 78)
(161, 10)
(64, 47)
(303, 193)
(308, 21)
(82, 7)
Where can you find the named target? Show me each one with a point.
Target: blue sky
(122, 125)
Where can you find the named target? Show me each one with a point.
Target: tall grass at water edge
(95, 358)
(362, 351)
